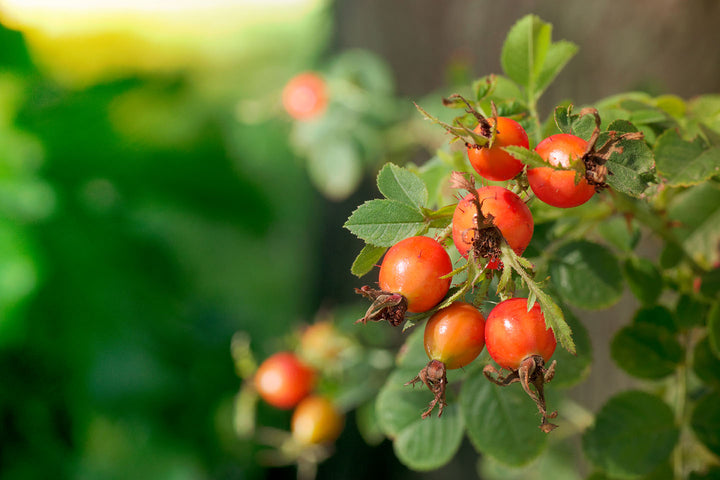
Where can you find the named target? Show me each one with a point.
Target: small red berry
(455, 335)
(305, 96)
(282, 380)
(513, 334)
(557, 187)
(412, 268)
(494, 163)
(509, 214)
(316, 421)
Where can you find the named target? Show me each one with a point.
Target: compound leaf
(397, 183)
(385, 222)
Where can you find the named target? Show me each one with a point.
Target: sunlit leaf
(558, 55)
(632, 165)
(385, 222)
(397, 183)
(367, 259)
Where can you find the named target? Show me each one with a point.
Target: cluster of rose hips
(287, 381)
(416, 273)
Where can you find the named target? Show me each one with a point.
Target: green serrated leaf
(632, 167)
(440, 218)
(553, 314)
(434, 175)
(530, 157)
(572, 369)
(644, 279)
(586, 275)
(697, 210)
(634, 433)
(705, 421)
(398, 405)
(524, 51)
(505, 277)
(532, 298)
(385, 222)
(564, 118)
(397, 183)
(646, 351)
(459, 131)
(501, 421)
(367, 259)
(684, 163)
(584, 127)
(558, 55)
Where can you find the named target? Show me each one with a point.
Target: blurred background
(156, 197)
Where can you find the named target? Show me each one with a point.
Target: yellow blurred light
(81, 41)
(75, 16)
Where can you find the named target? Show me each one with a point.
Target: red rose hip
(412, 268)
(510, 215)
(282, 380)
(557, 187)
(305, 96)
(455, 335)
(494, 163)
(513, 334)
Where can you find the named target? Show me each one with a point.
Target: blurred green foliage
(141, 225)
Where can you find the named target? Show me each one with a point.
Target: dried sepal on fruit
(434, 376)
(595, 157)
(487, 215)
(518, 340)
(385, 306)
(414, 277)
(454, 336)
(532, 371)
(576, 168)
